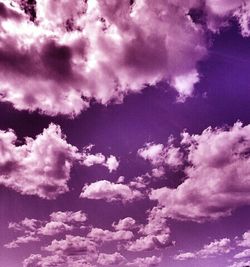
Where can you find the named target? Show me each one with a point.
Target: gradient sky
(124, 133)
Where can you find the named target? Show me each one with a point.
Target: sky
(124, 133)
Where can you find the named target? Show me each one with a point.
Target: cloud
(110, 162)
(162, 156)
(110, 259)
(109, 191)
(26, 225)
(213, 249)
(53, 228)
(40, 166)
(100, 235)
(146, 262)
(68, 217)
(50, 51)
(127, 223)
(67, 46)
(72, 245)
(217, 178)
(35, 230)
(243, 254)
(22, 240)
(240, 264)
(245, 241)
(155, 234)
(40, 261)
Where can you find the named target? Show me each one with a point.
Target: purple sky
(125, 133)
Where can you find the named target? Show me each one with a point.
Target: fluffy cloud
(50, 51)
(110, 259)
(100, 235)
(218, 175)
(155, 234)
(109, 191)
(68, 217)
(213, 249)
(94, 159)
(127, 223)
(243, 254)
(240, 264)
(53, 228)
(40, 166)
(158, 154)
(245, 241)
(145, 262)
(39, 261)
(72, 245)
(34, 230)
(69, 45)
(22, 240)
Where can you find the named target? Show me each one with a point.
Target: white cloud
(40, 166)
(110, 259)
(213, 249)
(109, 191)
(217, 176)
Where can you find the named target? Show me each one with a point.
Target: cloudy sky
(124, 133)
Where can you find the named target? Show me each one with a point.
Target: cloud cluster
(217, 178)
(34, 230)
(40, 166)
(57, 57)
(213, 249)
(109, 191)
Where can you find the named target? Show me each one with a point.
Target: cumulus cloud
(217, 176)
(50, 51)
(69, 45)
(22, 240)
(40, 166)
(245, 241)
(127, 223)
(34, 230)
(145, 262)
(72, 245)
(243, 254)
(53, 228)
(110, 162)
(213, 249)
(240, 264)
(40, 261)
(100, 235)
(110, 259)
(162, 156)
(109, 191)
(155, 234)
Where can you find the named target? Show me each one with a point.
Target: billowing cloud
(218, 175)
(213, 249)
(145, 262)
(100, 235)
(114, 259)
(72, 245)
(127, 223)
(22, 240)
(240, 264)
(40, 166)
(53, 228)
(54, 56)
(110, 162)
(67, 46)
(109, 191)
(68, 217)
(40, 261)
